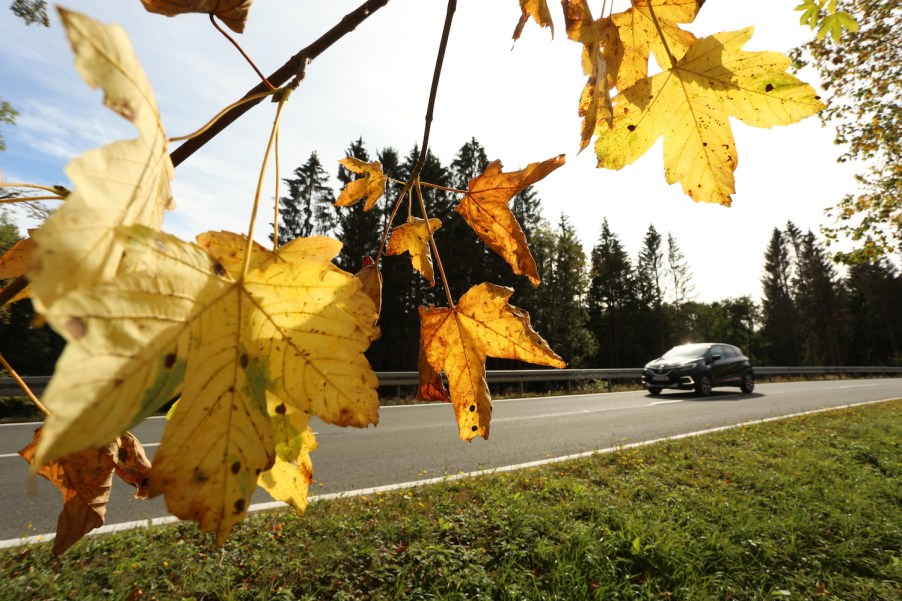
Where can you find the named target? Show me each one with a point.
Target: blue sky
(518, 100)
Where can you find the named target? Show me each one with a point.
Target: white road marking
(859, 386)
(663, 403)
(41, 538)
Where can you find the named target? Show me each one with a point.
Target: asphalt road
(420, 441)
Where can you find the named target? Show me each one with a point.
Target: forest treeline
(601, 309)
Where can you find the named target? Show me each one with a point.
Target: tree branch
(295, 65)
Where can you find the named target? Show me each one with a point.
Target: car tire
(703, 386)
(748, 383)
(654, 391)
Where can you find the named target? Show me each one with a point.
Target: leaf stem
(438, 258)
(50, 189)
(654, 19)
(275, 219)
(284, 73)
(428, 185)
(212, 122)
(273, 136)
(241, 50)
(31, 396)
(391, 219)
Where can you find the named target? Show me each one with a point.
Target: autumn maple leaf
(690, 105)
(413, 237)
(601, 56)
(77, 245)
(85, 479)
(457, 341)
(538, 10)
(640, 38)
(295, 327)
(485, 208)
(371, 186)
(15, 263)
(232, 12)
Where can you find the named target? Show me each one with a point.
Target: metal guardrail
(37, 384)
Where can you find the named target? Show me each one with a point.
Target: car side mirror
(715, 358)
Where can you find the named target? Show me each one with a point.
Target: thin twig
(391, 220)
(241, 50)
(31, 396)
(433, 92)
(212, 122)
(30, 198)
(293, 67)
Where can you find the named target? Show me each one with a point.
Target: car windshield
(686, 350)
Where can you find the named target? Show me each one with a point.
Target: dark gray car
(700, 367)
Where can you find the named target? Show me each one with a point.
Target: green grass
(807, 508)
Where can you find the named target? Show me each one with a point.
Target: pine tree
(820, 297)
(779, 332)
(650, 279)
(610, 300)
(307, 209)
(875, 314)
(679, 276)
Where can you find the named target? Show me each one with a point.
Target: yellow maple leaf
(457, 341)
(639, 36)
(371, 186)
(85, 479)
(690, 105)
(485, 208)
(290, 476)
(232, 12)
(413, 237)
(77, 246)
(296, 327)
(538, 10)
(601, 56)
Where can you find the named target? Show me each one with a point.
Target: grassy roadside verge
(807, 508)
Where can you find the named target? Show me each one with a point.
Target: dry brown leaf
(371, 278)
(371, 186)
(413, 237)
(485, 208)
(431, 387)
(85, 478)
(457, 341)
(601, 57)
(538, 10)
(231, 12)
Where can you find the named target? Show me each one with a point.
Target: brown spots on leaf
(472, 408)
(243, 360)
(281, 409)
(631, 127)
(239, 505)
(236, 467)
(769, 87)
(76, 327)
(122, 455)
(219, 270)
(169, 360)
(200, 476)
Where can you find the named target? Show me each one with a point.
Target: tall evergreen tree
(567, 321)
(610, 299)
(679, 276)
(780, 332)
(650, 273)
(820, 297)
(875, 314)
(307, 209)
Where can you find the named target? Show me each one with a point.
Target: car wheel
(748, 383)
(703, 386)
(654, 391)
